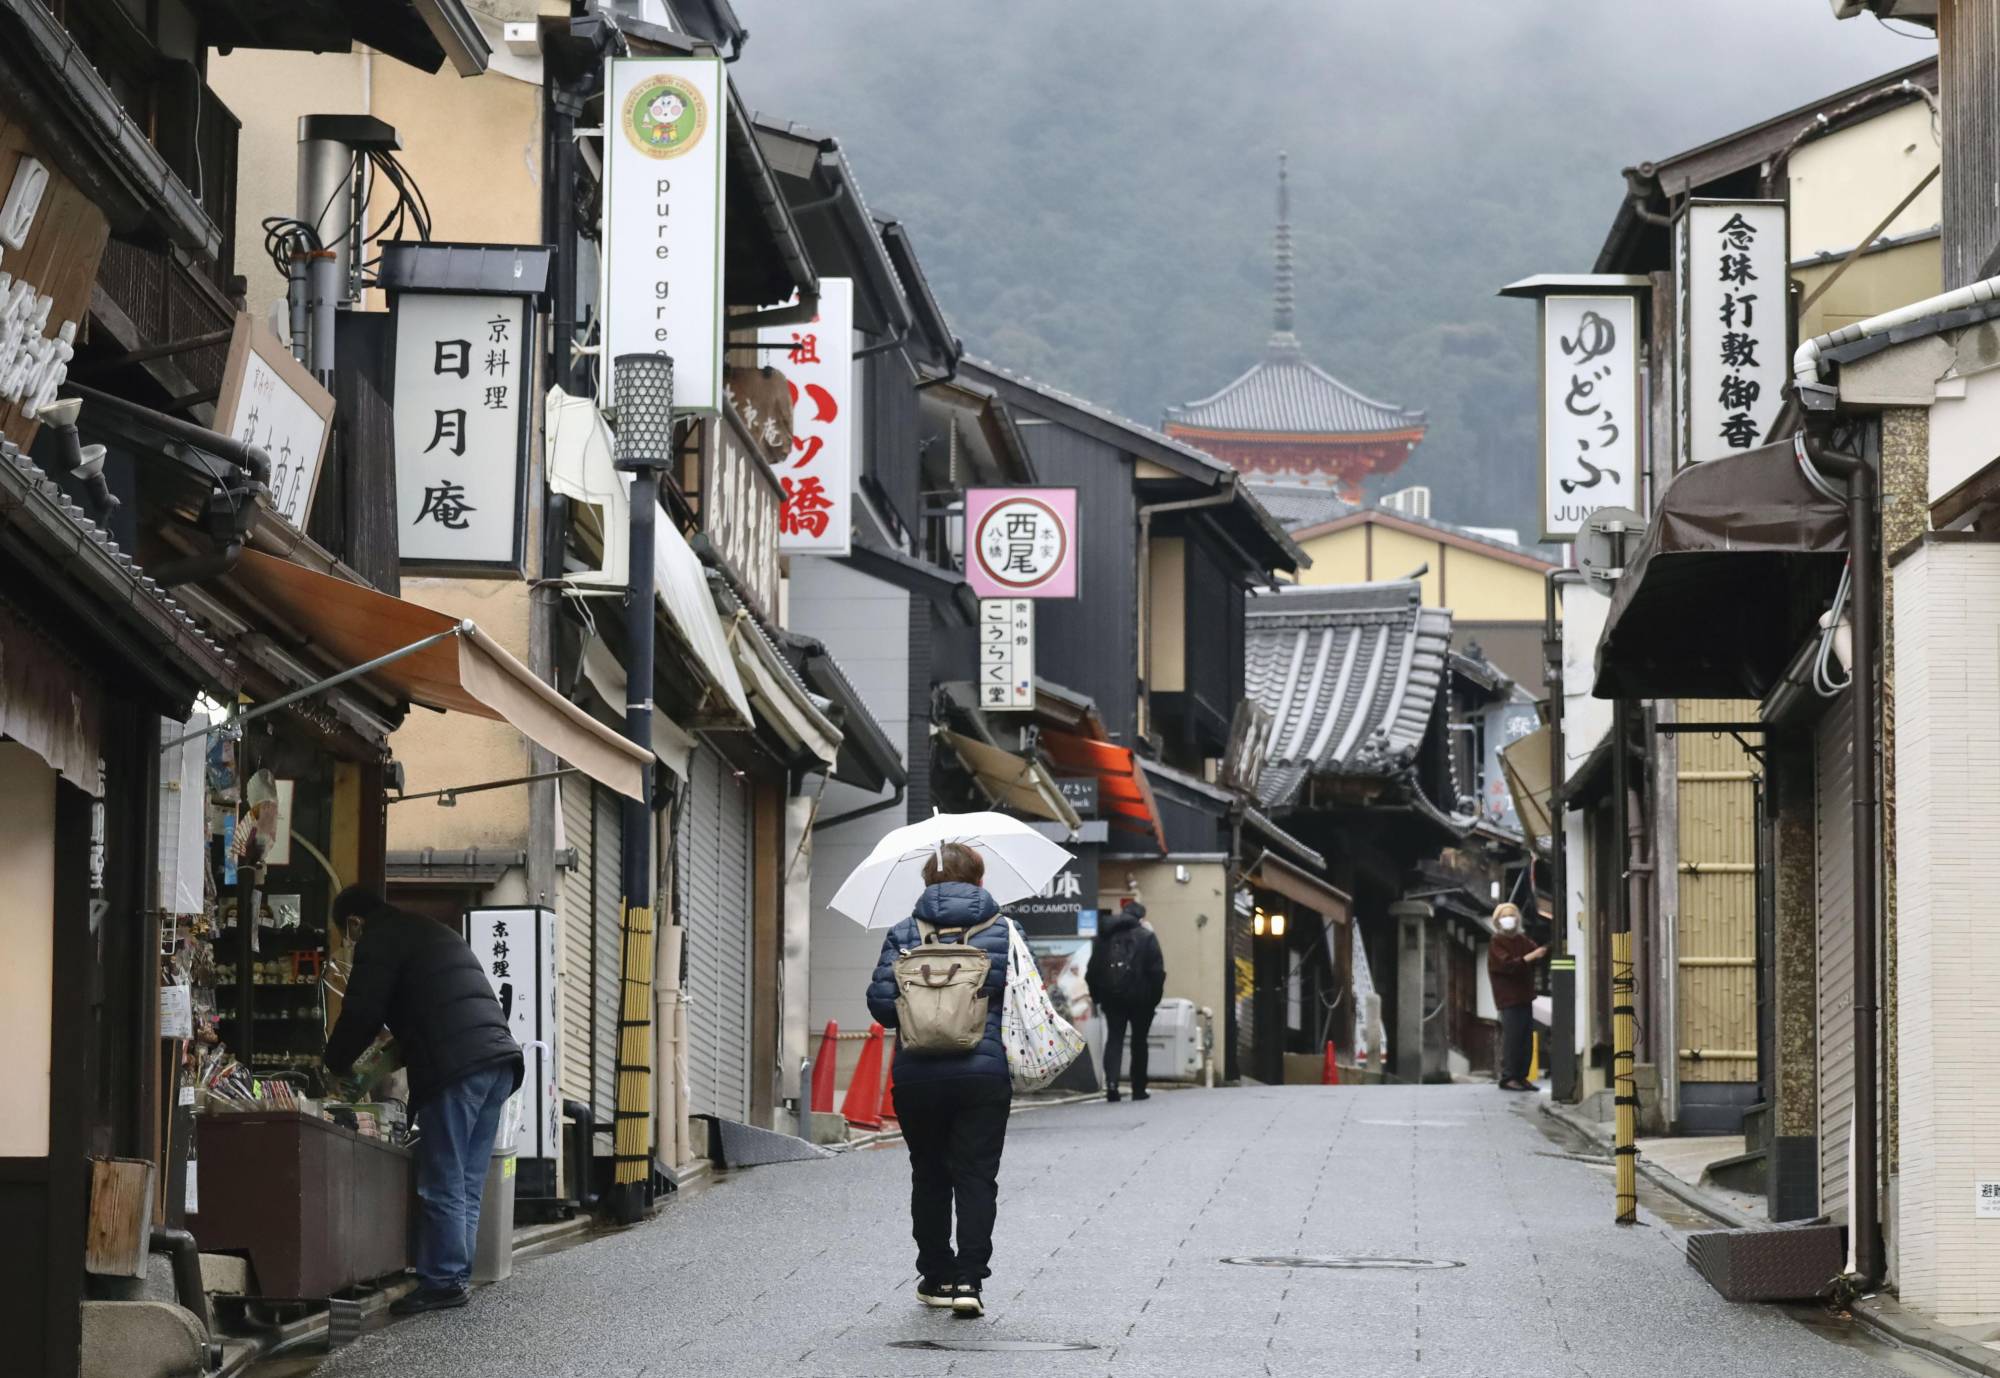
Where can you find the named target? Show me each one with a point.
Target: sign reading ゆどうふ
(661, 289)
(1021, 542)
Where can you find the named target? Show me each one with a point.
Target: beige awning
(1526, 765)
(1012, 781)
(466, 673)
(1302, 887)
(781, 701)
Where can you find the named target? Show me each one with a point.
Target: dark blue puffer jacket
(951, 905)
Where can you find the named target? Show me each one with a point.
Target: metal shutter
(578, 925)
(1834, 805)
(608, 950)
(714, 879)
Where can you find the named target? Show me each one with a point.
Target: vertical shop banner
(517, 950)
(462, 417)
(660, 289)
(1731, 264)
(1006, 653)
(268, 399)
(818, 478)
(1021, 542)
(1591, 409)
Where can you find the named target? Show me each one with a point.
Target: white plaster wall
(1947, 601)
(865, 623)
(1586, 720)
(1965, 430)
(28, 936)
(1842, 185)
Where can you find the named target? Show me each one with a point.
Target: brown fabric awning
(1741, 557)
(1014, 782)
(1526, 765)
(467, 673)
(1276, 874)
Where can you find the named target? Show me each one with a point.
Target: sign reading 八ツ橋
(661, 276)
(1590, 409)
(1730, 279)
(818, 478)
(462, 429)
(1021, 542)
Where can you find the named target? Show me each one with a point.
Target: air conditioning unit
(1410, 502)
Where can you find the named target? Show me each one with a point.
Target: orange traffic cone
(863, 1105)
(823, 1069)
(1329, 1074)
(889, 1086)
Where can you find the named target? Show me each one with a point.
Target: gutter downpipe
(1562, 965)
(1805, 362)
(1864, 1212)
(879, 806)
(1146, 515)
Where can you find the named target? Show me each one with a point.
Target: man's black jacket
(420, 979)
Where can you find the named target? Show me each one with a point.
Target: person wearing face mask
(1510, 961)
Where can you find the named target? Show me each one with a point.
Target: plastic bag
(1040, 1043)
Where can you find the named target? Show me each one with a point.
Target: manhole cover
(994, 1346)
(1337, 1261)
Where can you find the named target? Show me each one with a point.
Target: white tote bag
(1040, 1043)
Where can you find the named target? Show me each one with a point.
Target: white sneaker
(968, 1303)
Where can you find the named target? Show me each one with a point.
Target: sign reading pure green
(661, 275)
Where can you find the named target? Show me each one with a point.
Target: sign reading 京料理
(1731, 278)
(461, 429)
(1006, 653)
(661, 275)
(517, 950)
(1021, 542)
(1590, 409)
(269, 400)
(818, 478)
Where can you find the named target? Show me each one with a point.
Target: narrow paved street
(1115, 1223)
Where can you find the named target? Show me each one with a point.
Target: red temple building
(1289, 418)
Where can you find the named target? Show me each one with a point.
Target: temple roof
(1285, 392)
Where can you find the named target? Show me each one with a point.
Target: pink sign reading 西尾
(1021, 542)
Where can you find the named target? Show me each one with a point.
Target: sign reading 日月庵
(661, 275)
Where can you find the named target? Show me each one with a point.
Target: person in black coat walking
(421, 980)
(1127, 977)
(953, 1107)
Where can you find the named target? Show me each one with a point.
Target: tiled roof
(1286, 392)
(1301, 506)
(1349, 675)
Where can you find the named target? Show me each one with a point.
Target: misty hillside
(1091, 186)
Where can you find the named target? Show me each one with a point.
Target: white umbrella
(885, 887)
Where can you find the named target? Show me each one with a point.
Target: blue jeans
(458, 1126)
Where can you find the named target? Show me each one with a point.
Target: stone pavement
(1114, 1221)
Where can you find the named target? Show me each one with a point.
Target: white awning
(580, 468)
(467, 673)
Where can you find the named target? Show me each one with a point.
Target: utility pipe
(1864, 1185)
(1805, 362)
(1562, 965)
(250, 458)
(1146, 515)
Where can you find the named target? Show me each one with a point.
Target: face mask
(1508, 923)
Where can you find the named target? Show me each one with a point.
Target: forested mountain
(1091, 182)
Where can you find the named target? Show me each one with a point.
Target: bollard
(823, 1068)
(863, 1105)
(1329, 1073)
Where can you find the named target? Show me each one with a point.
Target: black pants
(1117, 1019)
(955, 1131)
(1517, 1022)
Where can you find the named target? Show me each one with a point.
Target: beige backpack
(941, 999)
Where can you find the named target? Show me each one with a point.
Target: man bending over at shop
(421, 980)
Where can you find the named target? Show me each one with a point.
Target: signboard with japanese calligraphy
(269, 400)
(1732, 277)
(1021, 542)
(739, 512)
(660, 284)
(517, 950)
(819, 477)
(1590, 409)
(1067, 905)
(1006, 653)
(462, 429)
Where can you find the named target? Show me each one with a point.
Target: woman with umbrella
(952, 1105)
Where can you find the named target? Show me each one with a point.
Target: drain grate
(1338, 1261)
(995, 1346)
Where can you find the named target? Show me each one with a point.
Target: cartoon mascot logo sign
(665, 117)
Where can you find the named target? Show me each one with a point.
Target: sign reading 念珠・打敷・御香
(461, 428)
(1731, 278)
(661, 265)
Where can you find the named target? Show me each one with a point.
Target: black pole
(1864, 1190)
(643, 392)
(1562, 965)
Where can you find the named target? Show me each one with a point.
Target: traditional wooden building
(1286, 417)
